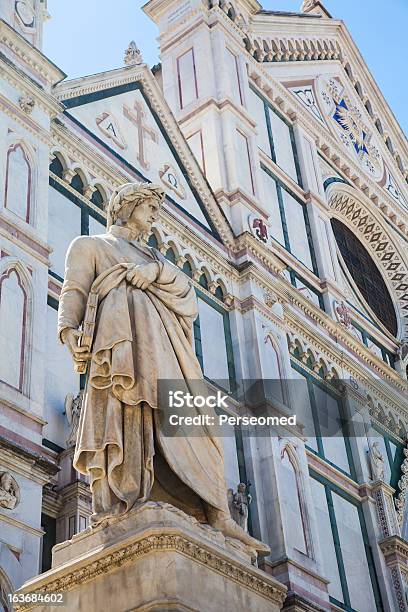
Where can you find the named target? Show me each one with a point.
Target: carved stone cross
(138, 119)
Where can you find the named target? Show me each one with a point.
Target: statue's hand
(144, 275)
(70, 338)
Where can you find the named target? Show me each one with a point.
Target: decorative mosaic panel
(346, 119)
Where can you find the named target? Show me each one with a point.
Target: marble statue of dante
(143, 333)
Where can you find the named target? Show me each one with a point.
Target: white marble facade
(259, 144)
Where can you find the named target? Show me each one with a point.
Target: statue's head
(136, 205)
(241, 487)
(6, 481)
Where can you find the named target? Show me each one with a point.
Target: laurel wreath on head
(129, 195)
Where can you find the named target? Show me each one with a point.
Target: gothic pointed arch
(19, 184)
(289, 454)
(15, 322)
(276, 375)
(372, 231)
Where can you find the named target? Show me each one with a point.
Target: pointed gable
(125, 121)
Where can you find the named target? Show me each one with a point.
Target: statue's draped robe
(140, 337)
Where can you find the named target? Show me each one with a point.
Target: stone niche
(155, 558)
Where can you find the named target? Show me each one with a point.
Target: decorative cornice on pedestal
(188, 538)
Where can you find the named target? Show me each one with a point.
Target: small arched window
(366, 275)
(203, 281)
(78, 184)
(98, 199)
(388, 142)
(296, 511)
(57, 167)
(379, 126)
(369, 108)
(219, 293)
(358, 89)
(152, 242)
(275, 384)
(187, 269)
(399, 163)
(18, 182)
(231, 13)
(348, 71)
(171, 256)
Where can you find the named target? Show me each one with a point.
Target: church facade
(285, 174)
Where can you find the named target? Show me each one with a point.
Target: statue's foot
(231, 529)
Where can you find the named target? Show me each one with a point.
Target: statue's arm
(80, 272)
(170, 274)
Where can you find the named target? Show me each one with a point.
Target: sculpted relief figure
(376, 461)
(73, 407)
(239, 505)
(137, 310)
(9, 491)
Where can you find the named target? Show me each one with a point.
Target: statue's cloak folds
(140, 337)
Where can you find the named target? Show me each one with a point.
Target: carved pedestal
(155, 558)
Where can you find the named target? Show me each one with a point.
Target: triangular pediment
(126, 120)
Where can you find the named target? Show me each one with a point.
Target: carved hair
(128, 196)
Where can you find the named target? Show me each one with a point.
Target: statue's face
(144, 215)
(6, 482)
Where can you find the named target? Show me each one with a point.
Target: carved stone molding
(387, 520)
(379, 242)
(395, 551)
(400, 501)
(342, 313)
(282, 49)
(133, 57)
(129, 539)
(26, 104)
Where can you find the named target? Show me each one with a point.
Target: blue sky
(85, 37)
